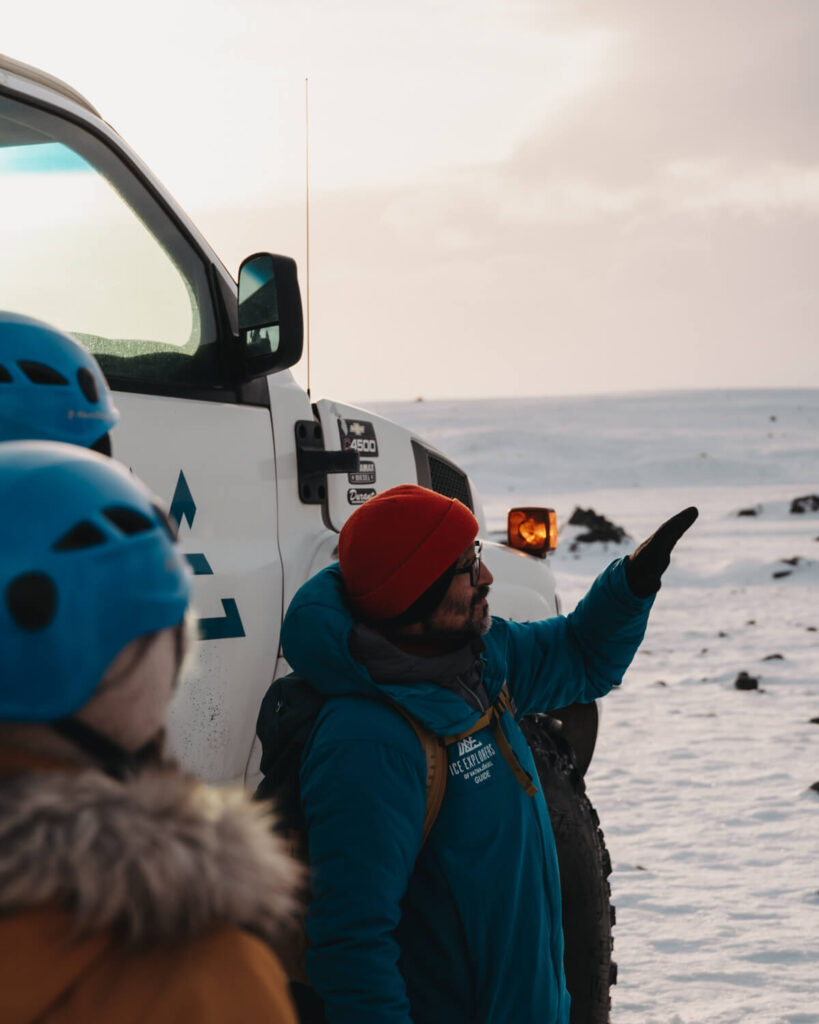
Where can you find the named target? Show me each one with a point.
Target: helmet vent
(32, 600)
(39, 373)
(128, 520)
(83, 535)
(5, 376)
(88, 386)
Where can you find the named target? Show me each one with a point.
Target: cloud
(735, 81)
(656, 230)
(441, 292)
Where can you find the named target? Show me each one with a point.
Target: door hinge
(314, 463)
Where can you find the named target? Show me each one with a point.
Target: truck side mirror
(271, 326)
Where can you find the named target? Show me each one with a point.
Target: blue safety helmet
(88, 563)
(51, 389)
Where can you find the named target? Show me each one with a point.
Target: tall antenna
(307, 219)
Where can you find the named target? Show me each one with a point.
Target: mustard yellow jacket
(157, 899)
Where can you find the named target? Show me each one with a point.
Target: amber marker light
(533, 530)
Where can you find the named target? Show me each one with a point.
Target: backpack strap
(435, 754)
(434, 748)
(492, 717)
(502, 704)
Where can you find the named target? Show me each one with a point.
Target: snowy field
(704, 791)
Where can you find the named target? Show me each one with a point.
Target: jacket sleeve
(580, 656)
(364, 804)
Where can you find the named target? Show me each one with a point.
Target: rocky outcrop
(598, 529)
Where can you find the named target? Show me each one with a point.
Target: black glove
(645, 566)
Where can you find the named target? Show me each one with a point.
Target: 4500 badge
(359, 436)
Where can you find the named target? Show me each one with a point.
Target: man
(128, 891)
(466, 927)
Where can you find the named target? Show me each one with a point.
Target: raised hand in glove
(645, 566)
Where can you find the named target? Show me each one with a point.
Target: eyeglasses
(474, 567)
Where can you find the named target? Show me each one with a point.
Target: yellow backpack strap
(492, 716)
(504, 699)
(486, 719)
(504, 703)
(435, 754)
(434, 748)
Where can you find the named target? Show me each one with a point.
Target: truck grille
(441, 475)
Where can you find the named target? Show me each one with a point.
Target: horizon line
(636, 393)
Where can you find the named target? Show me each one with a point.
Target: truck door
(91, 246)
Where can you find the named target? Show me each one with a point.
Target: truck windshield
(85, 247)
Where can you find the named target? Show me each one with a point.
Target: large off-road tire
(585, 865)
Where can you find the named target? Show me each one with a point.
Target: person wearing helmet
(128, 891)
(51, 389)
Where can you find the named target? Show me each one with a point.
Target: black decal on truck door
(182, 503)
(220, 627)
(224, 626)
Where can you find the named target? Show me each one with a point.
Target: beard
(482, 618)
(469, 619)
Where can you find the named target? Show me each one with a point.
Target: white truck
(260, 477)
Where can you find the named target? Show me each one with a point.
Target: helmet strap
(102, 444)
(111, 757)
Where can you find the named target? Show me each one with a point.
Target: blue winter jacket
(468, 930)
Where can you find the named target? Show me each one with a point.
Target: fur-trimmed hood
(158, 858)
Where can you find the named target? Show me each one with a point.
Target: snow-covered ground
(704, 791)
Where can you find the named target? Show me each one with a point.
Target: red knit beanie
(397, 544)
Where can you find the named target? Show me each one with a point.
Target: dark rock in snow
(748, 511)
(814, 721)
(815, 787)
(807, 503)
(599, 529)
(810, 629)
(722, 634)
(782, 573)
(774, 657)
(745, 682)
(660, 682)
(751, 622)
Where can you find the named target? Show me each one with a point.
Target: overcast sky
(506, 197)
